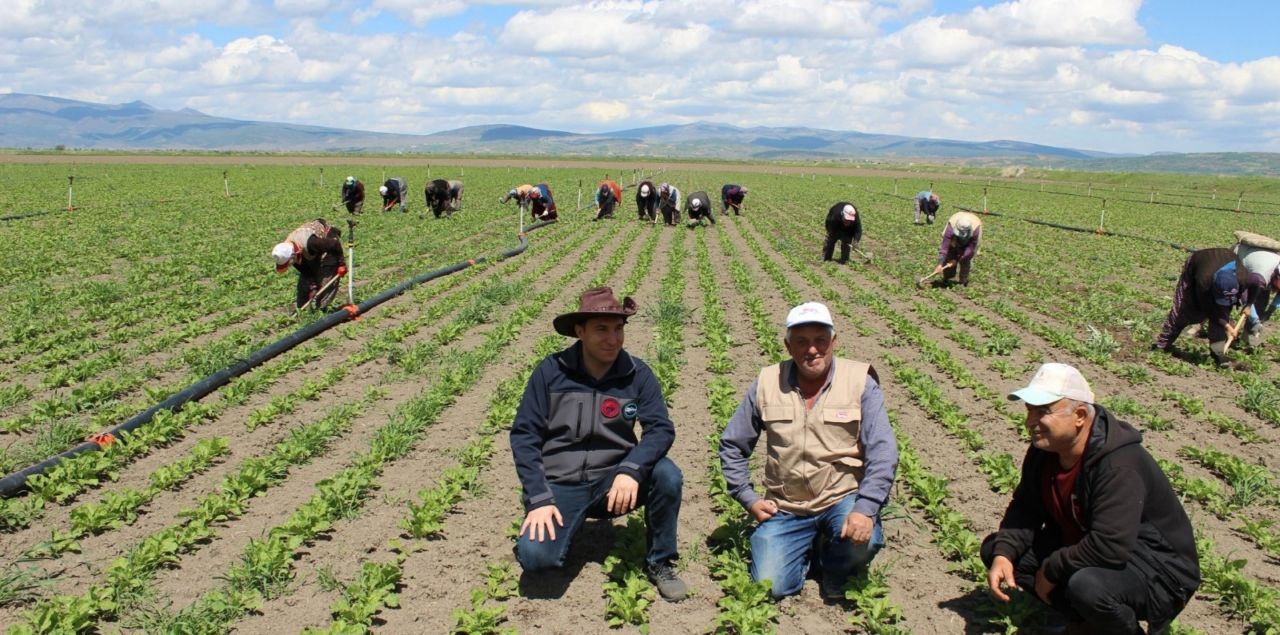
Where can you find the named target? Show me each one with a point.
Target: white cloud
(1057, 22)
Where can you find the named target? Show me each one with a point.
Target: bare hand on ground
(1000, 577)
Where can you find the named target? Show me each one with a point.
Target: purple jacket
(953, 249)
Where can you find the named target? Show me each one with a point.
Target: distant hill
(35, 121)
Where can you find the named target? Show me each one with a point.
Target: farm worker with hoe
(700, 209)
(393, 193)
(575, 447)
(607, 196)
(844, 224)
(521, 195)
(315, 250)
(959, 245)
(1260, 255)
(1094, 528)
(353, 195)
(442, 197)
(669, 203)
(731, 196)
(647, 201)
(1213, 281)
(926, 203)
(544, 205)
(830, 459)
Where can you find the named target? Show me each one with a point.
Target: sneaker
(831, 592)
(670, 587)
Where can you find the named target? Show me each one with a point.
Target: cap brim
(282, 268)
(1034, 396)
(818, 322)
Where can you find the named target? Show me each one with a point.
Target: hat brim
(564, 324)
(1034, 396)
(282, 268)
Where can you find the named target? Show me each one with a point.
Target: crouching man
(575, 446)
(1094, 528)
(830, 459)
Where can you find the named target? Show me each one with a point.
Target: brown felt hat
(597, 302)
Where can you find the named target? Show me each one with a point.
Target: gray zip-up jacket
(571, 428)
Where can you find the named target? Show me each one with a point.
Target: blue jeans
(781, 548)
(659, 494)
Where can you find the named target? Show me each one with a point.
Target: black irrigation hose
(29, 215)
(16, 482)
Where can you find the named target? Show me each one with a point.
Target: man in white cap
(394, 191)
(700, 209)
(315, 250)
(959, 245)
(844, 224)
(353, 195)
(1094, 528)
(647, 201)
(830, 460)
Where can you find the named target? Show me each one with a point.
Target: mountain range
(42, 122)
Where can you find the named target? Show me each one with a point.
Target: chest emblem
(610, 408)
(630, 411)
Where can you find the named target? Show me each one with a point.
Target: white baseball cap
(695, 203)
(1054, 381)
(644, 190)
(351, 179)
(810, 313)
(282, 254)
(382, 189)
(850, 213)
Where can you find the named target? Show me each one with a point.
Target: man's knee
(667, 478)
(767, 564)
(535, 557)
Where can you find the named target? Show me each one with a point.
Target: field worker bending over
(608, 196)
(520, 194)
(647, 201)
(669, 203)
(315, 250)
(844, 224)
(1213, 281)
(1260, 255)
(960, 240)
(575, 446)
(731, 197)
(1094, 529)
(441, 196)
(393, 192)
(926, 203)
(830, 460)
(353, 195)
(700, 209)
(544, 205)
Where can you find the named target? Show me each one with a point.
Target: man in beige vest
(830, 459)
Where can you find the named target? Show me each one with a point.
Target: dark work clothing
(927, 205)
(544, 205)
(659, 494)
(353, 197)
(1056, 485)
(320, 262)
(647, 206)
(571, 428)
(731, 196)
(397, 190)
(848, 234)
(954, 249)
(1133, 526)
(1213, 281)
(607, 197)
(703, 207)
(437, 194)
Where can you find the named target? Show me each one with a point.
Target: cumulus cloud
(1079, 73)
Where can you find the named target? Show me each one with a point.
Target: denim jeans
(659, 494)
(781, 548)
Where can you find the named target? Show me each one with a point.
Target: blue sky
(1111, 75)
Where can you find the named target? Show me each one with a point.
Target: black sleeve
(331, 245)
(857, 229)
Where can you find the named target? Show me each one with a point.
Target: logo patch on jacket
(610, 408)
(630, 411)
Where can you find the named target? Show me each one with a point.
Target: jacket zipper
(591, 433)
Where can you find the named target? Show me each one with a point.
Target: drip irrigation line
(15, 483)
(1083, 230)
(1130, 200)
(29, 215)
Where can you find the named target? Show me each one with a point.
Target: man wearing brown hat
(1094, 528)
(575, 447)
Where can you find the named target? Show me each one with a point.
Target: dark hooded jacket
(572, 428)
(1220, 281)
(1129, 513)
(837, 228)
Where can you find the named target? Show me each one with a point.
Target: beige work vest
(301, 235)
(814, 458)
